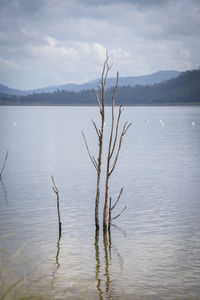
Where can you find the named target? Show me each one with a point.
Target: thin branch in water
(120, 193)
(124, 130)
(55, 189)
(113, 120)
(4, 164)
(90, 156)
(116, 130)
(117, 216)
(95, 126)
(116, 157)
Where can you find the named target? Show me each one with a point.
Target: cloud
(55, 44)
(8, 65)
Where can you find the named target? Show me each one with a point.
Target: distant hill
(6, 90)
(123, 81)
(184, 89)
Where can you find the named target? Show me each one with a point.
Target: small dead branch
(95, 127)
(117, 216)
(98, 100)
(55, 189)
(88, 150)
(4, 164)
(120, 193)
(112, 207)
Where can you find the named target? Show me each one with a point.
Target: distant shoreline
(95, 105)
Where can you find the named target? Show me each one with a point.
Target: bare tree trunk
(114, 132)
(100, 134)
(58, 205)
(111, 147)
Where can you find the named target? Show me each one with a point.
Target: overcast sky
(51, 42)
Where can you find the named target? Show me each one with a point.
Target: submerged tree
(55, 189)
(100, 133)
(114, 147)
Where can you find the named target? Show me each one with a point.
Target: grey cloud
(35, 35)
(137, 2)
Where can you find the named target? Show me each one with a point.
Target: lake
(153, 252)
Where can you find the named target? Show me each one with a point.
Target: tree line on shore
(185, 89)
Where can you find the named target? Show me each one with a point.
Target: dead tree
(4, 164)
(114, 147)
(100, 134)
(55, 189)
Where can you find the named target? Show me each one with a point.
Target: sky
(53, 42)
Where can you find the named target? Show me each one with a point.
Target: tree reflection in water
(57, 258)
(98, 264)
(105, 293)
(4, 192)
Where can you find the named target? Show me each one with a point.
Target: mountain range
(131, 81)
(181, 90)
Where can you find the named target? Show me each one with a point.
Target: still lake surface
(155, 250)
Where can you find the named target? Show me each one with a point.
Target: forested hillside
(185, 89)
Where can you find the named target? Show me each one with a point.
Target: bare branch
(54, 186)
(95, 126)
(117, 216)
(113, 114)
(116, 130)
(98, 100)
(116, 157)
(56, 192)
(125, 128)
(112, 128)
(55, 189)
(108, 67)
(4, 164)
(115, 88)
(95, 162)
(105, 68)
(120, 193)
(99, 87)
(91, 158)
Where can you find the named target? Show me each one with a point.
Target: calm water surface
(155, 250)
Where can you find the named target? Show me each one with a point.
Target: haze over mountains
(181, 90)
(132, 81)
